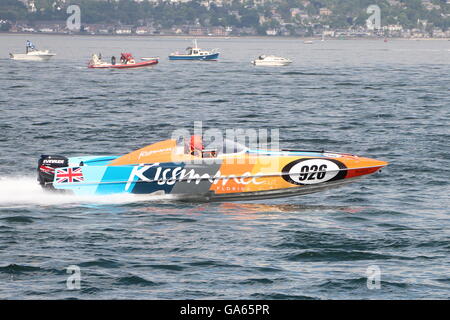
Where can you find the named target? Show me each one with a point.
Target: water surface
(388, 101)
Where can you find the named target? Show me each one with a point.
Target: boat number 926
(311, 171)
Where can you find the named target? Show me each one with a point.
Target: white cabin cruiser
(264, 60)
(32, 54)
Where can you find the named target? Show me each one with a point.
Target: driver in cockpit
(196, 146)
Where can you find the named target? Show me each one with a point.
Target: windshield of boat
(230, 146)
(214, 148)
(227, 147)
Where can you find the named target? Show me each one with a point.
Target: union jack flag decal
(64, 175)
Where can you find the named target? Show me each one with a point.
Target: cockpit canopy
(181, 150)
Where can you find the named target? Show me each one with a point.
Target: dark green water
(388, 101)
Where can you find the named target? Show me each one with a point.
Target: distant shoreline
(318, 38)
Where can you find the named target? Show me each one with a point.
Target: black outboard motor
(46, 169)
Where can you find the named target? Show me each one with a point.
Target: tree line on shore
(409, 14)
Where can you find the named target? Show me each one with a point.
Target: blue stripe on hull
(185, 57)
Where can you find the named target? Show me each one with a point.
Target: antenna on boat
(195, 43)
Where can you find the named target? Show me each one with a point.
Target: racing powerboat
(264, 60)
(195, 53)
(32, 54)
(184, 170)
(126, 61)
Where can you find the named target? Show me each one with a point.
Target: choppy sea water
(389, 101)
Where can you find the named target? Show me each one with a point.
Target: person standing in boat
(30, 46)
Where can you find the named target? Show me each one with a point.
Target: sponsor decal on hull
(151, 152)
(170, 175)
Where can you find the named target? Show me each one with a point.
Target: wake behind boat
(195, 53)
(32, 54)
(126, 61)
(185, 170)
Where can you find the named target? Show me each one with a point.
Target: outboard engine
(46, 169)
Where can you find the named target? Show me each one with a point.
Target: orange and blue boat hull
(250, 175)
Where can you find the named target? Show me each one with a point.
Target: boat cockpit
(195, 146)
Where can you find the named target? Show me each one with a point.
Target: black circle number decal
(312, 171)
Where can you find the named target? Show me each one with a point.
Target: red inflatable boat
(126, 61)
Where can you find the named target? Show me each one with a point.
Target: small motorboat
(184, 169)
(308, 42)
(126, 61)
(32, 54)
(264, 60)
(195, 53)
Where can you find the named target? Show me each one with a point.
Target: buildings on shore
(59, 27)
(299, 22)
